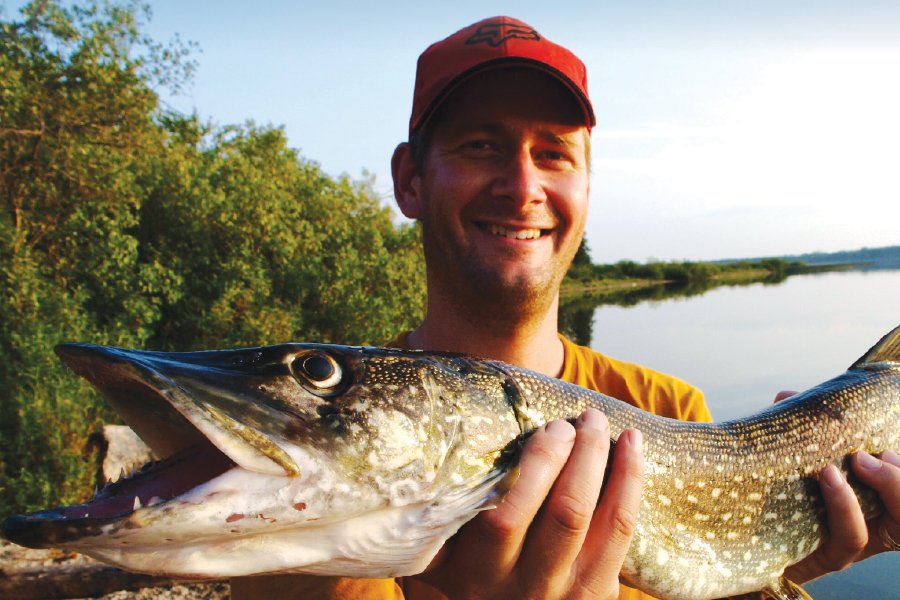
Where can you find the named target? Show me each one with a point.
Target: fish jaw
(174, 402)
(390, 541)
(275, 479)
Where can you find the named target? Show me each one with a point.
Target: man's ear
(407, 182)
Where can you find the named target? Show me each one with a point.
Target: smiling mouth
(515, 234)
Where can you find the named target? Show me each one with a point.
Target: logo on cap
(496, 34)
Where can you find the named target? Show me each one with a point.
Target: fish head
(289, 458)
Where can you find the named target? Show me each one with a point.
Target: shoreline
(755, 274)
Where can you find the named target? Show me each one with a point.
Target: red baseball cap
(492, 43)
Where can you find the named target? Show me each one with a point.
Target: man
(497, 171)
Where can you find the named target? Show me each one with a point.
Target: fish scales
(738, 501)
(361, 462)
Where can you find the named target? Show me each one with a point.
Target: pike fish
(361, 462)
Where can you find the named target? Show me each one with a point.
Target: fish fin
(512, 475)
(785, 589)
(886, 350)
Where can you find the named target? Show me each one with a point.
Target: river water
(741, 345)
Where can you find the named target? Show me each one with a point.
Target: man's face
(504, 189)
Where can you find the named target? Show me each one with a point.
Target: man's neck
(534, 344)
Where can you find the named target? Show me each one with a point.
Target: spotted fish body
(726, 507)
(362, 461)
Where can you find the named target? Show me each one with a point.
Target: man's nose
(520, 180)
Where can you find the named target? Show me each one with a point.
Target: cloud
(815, 130)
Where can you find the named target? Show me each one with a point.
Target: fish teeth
(137, 503)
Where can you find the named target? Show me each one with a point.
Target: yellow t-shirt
(648, 390)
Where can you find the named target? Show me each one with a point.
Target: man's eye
(555, 158)
(554, 155)
(477, 146)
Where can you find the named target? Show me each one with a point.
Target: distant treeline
(585, 272)
(887, 257)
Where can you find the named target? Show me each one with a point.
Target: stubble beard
(482, 294)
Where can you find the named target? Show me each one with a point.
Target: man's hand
(549, 538)
(852, 538)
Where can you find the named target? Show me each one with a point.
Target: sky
(725, 129)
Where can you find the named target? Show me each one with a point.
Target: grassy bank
(586, 276)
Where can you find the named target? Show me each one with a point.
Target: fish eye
(321, 371)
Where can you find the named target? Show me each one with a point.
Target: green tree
(76, 119)
(123, 224)
(268, 248)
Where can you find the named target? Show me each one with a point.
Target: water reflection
(576, 310)
(741, 344)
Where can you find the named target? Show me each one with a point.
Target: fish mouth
(155, 483)
(194, 433)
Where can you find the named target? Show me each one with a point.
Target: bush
(124, 225)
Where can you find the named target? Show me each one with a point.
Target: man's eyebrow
(547, 135)
(567, 140)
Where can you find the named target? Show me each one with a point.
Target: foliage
(275, 249)
(587, 273)
(123, 224)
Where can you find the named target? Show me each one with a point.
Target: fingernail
(889, 456)
(831, 477)
(592, 419)
(561, 430)
(634, 436)
(867, 461)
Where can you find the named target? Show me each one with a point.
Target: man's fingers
(498, 534)
(555, 538)
(615, 518)
(883, 476)
(847, 527)
(784, 395)
(492, 541)
(846, 523)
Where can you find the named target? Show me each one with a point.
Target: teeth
(137, 503)
(154, 501)
(516, 234)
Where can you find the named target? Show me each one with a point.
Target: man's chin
(494, 283)
(513, 295)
